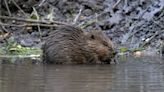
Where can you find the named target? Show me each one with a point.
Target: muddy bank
(131, 24)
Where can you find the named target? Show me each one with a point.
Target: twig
(162, 48)
(33, 21)
(29, 25)
(131, 32)
(141, 15)
(86, 24)
(9, 12)
(157, 23)
(148, 41)
(18, 7)
(117, 3)
(40, 33)
(4, 28)
(35, 13)
(20, 56)
(77, 16)
(91, 20)
(6, 33)
(41, 3)
(125, 4)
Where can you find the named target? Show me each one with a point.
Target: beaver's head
(101, 45)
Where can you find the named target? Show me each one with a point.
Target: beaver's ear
(92, 36)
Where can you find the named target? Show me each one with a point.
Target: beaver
(69, 44)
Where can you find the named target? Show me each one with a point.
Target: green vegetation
(131, 50)
(14, 48)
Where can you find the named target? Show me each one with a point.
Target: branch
(33, 21)
(7, 7)
(29, 25)
(18, 7)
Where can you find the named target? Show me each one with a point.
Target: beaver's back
(65, 45)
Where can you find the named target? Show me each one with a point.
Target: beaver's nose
(115, 52)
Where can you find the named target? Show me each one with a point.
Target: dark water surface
(144, 74)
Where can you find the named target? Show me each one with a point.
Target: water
(130, 75)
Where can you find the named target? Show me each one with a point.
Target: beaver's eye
(92, 37)
(105, 44)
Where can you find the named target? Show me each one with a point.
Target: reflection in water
(130, 75)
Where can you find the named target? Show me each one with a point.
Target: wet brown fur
(70, 44)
